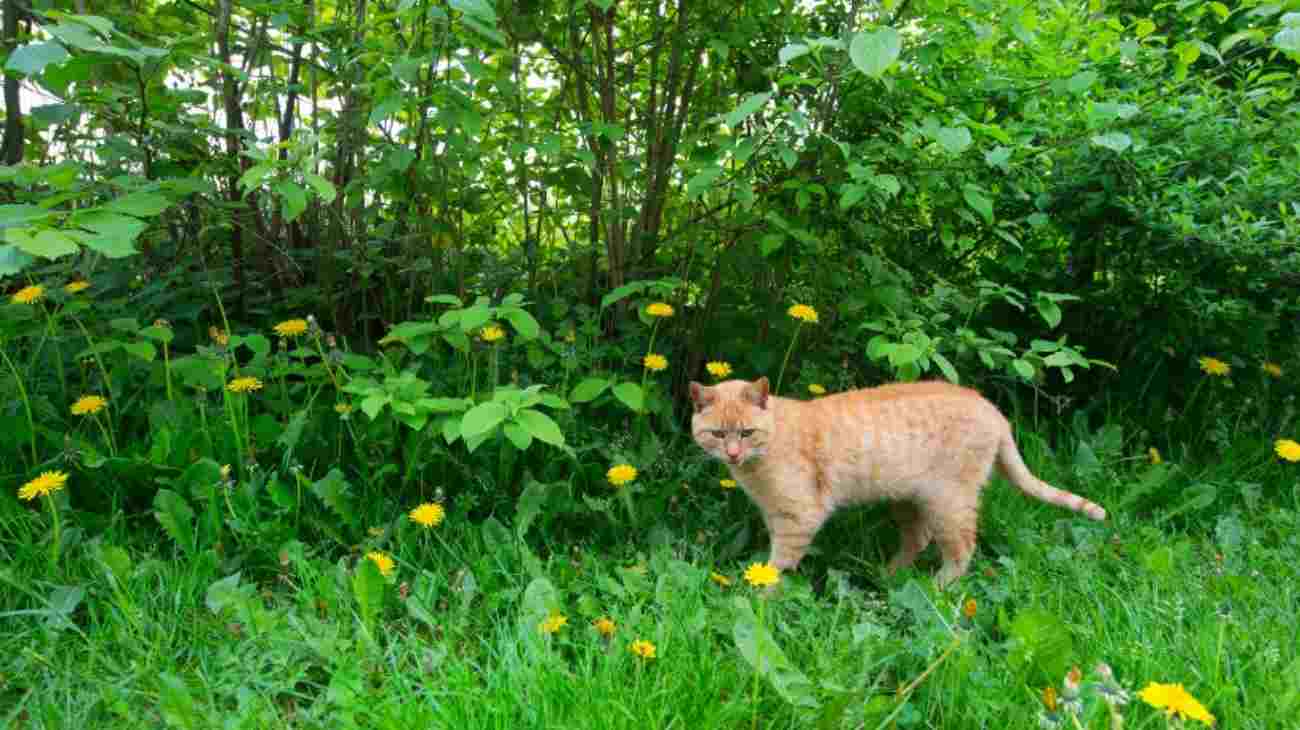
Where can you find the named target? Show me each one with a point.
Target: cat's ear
(757, 392)
(702, 396)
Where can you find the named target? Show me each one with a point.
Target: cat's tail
(1015, 470)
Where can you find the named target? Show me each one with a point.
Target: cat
(927, 447)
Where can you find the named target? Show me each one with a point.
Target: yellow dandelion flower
(621, 474)
(1272, 369)
(727, 483)
(803, 313)
(218, 336)
(643, 649)
(28, 294)
(659, 309)
(553, 623)
(429, 514)
(1154, 455)
(46, 483)
(817, 389)
(718, 369)
(1213, 366)
(342, 409)
(244, 385)
(88, 404)
(1175, 700)
(291, 327)
(381, 561)
(491, 333)
(1049, 698)
(1287, 449)
(969, 608)
(605, 625)
(655, 362)
(225, 472)
(76, 287)
(762, 574)
(720, 579)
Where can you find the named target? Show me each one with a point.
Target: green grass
(130, 631)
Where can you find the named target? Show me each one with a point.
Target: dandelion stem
(56, 547)
(99, 362)
(781, 376)
(27, 404)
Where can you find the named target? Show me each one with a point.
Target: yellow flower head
(718, 369)
(621, 474)
(28, 294)
(1213, 366)
(1175, 700)
(655, 362)
(291, 327)
(381, 561)
(643, 649)
(1154, 454)
(762, 574)
(659, 309)
(244, 385)
(1287, 449)
(727, 483)
(343, 409)
(803, 313)
(225, 472)
(429, 514)
(87, 404)
(817, 389)
(219, 337)
(47, 482)
(969, 608)
(553, 623)
(1272, 368)
(76, 287)
(1049, 698)
(491, 333)
(605, 625)
(720, 579)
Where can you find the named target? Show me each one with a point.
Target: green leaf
(954, 140)
(143, 350)
(631, 395)
(226, 593)
(976, 199)
(13, 260)
(747, 108)
(16, 215)
(851, 194)
(32, 58)
(1114, 141)
(523, 322)
(482, 418)
(771, 243)
(791, 51)
(47, 243)
(873, 52)
(110, 224)
(518, 435)
(760, 650)
(293, 199)
(622, 292)
(946, 367)
(334, 491)
(142, 205)
(541, 426)
(176, 517)
(1040, 641)
(368, 591)
(324, 188)
(587, 390)
(176, 704)
(1081, 82)
(1023, 369)
(698, 184)
(1049, 310)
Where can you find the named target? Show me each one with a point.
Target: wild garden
(346, 351)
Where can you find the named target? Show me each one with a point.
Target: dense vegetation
(343, 350)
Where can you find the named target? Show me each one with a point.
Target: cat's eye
(746, 433)
(719, 434)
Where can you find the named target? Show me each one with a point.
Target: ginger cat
(927, 447)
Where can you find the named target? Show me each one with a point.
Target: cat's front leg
(791, 535)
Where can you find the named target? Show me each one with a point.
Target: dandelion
(1175, 700)
(727, 483)
(429, 514)
(659, 309)
(621, 474)
(643, 649)
(47, 483)
(1049, 698)
(221, 338)
(89, 405)
(718, 369)
(969, 608)
(803, 313)
(381, 561)
(225, 472)
(28, 294)
(1272, 369)
(76, 287)
(604, 625)
(817, 389)
(1215, 367)
(553, 623)
(1154, 455)
(244, 385)
(291, 327)
(491, 333)
(655, 362)
(762, 574)
(342, 409)
(1287, 449)
(720, 579)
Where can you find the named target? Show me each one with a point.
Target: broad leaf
(482, 418)
(631, 396)
(176, 517)
(32, 58)
(588, 389)
(976, 199)
(541, 426)
(873, 52)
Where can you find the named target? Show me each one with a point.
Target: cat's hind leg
(954, 526)
(914, 534)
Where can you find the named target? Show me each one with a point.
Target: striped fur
(927, 447)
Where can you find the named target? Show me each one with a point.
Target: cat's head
(732, 420)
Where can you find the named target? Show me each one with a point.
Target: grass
(130, 630)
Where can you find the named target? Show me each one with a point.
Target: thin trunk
(12, 150)
(234, 145)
